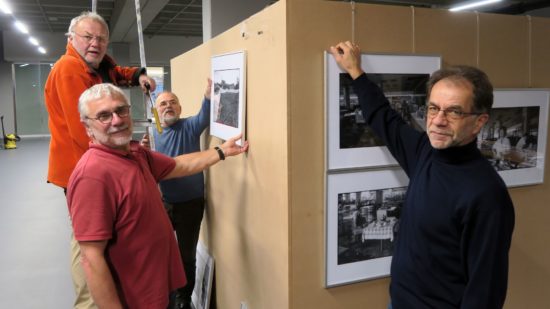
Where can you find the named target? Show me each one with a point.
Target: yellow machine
(10, 139)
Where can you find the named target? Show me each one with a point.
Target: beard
(169, 119)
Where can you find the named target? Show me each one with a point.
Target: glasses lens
(105, 117)
(123, 111)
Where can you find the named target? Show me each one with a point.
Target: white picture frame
(521, 114)
(203, 279)
(363, 238)
(228, 95)
(363, 157)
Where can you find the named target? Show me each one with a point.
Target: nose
(440, 118)
(116, 120)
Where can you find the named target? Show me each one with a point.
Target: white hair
(98, 92)
(87, 15)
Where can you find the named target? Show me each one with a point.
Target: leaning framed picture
(362, 216)
(204, 277)
(350, 142)
(228, 96)
(514, 138)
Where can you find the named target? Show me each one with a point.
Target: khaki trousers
(83, 299)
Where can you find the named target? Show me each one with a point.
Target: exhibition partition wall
(265, 220)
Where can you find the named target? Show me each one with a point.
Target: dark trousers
(186, 220)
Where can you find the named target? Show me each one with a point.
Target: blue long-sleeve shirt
(456, 223)
(180, 138)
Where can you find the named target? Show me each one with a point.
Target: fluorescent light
(5, 8)
(33, 41)
(41, 50)
(472, 5)
(23, 65)
(21, 26)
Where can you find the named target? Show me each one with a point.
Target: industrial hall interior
(221, 154)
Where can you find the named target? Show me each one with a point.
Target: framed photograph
(514, 138)
(362, 216)
(203, 279)
(350, 142)
(228, 97)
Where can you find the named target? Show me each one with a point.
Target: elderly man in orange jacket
(84, 64)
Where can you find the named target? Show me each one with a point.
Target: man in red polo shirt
(128, 250)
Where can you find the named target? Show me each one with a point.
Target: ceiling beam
(44, 15)
(175, 16)
(123, 21)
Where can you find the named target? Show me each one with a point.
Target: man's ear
(480, 122)
(87, 127)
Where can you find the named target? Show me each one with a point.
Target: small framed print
(204, 277)
(228, 97)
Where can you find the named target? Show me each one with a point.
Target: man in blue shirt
(183, 197)
(456, 225)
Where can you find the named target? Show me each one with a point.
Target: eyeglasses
(168, 102)
(450, 113)
(89, 38)
(107, 117)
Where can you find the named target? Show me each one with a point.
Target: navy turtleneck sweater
(456, 223)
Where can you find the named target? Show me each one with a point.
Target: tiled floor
(34, 232)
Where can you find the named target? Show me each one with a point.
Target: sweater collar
(458, 154)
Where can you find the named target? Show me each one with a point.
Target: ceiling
(182, 17)
(158, 17)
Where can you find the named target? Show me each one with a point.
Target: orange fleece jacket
(68, 79)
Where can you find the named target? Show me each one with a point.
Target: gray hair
(87, 15)
(482, 87)
(98, 92)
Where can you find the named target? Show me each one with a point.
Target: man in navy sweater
(183, 197)
(457, 220)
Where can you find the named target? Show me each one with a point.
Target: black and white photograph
(362, 218)
(509, 140)
(350, 143)
(406, 94)
(514, 138)
(228, 95)
(367, 223)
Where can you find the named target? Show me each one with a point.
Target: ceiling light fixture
(472, 5)
(33, 41)
(5, 8)
(41, 50)
(21, 26)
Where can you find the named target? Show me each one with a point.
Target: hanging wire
(413, 29)
(477, 38)
(352, 3)
(530, 47)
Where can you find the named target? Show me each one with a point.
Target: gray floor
(34, 232)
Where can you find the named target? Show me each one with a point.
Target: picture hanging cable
(352, 3)
(530, 47)
(477, 39)
(413, 29)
